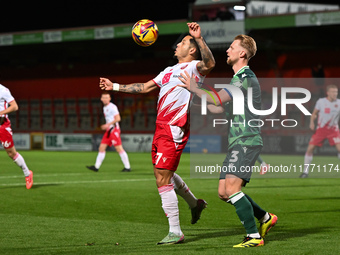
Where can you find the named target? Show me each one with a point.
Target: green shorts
(239, 161)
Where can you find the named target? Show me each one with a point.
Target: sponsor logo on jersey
(238, 84)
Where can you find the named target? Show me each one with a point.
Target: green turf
(71, 210)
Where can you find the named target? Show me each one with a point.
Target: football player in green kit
(245, 141)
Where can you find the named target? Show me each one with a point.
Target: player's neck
(330, 99)
(185, 59)
(237, 66)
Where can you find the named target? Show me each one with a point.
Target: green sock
(259, 159)
(244, 211)
(258, 211)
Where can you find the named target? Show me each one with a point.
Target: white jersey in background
(110, 111)
(173, 101)
(5, 98)
(329, 113)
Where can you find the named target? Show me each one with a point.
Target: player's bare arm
(313, 118)
(190, 84)
(208, 61)
(13, 106)
(133, 88)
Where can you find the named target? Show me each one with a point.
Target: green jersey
(245, 129)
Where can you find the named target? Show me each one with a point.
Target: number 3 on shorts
(233, 157)
(159, 155)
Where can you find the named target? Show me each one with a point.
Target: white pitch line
(77, 182)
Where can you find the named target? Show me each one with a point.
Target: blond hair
(331, 86)
(248, 43)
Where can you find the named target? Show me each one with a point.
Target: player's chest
(331, 108)
(171, 75)
(107, 111)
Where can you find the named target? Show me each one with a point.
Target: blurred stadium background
(52, 54)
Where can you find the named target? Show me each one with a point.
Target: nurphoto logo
(238, 105)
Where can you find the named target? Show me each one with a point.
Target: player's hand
(215, 109)
(194, 29)
(104, 126)
(105, 84)
(189, 83)
(312, 126)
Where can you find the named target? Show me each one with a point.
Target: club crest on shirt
(166, 78)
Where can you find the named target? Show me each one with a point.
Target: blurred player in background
(8, 105)
(245, 141)
(172, 125)
(327, 111)
(111, 136)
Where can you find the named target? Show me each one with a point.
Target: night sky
(43, 15)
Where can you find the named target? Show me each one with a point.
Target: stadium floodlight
(239, 8)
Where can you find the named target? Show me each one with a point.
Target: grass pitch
(71, 210)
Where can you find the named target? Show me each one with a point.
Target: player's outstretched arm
(133, 88)
(208, 61)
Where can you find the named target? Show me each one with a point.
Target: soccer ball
(145, 32)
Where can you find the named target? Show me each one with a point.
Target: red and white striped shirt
(173, 101)
(110, 111)
(329, 113)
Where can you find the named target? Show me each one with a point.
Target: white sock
(170, 207)
(265, 218)
(254, 235)
(125, 159)
(308, 160)
(19, 160)
(100, 159)
(182, 189)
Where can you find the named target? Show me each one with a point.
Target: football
(145, 32)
